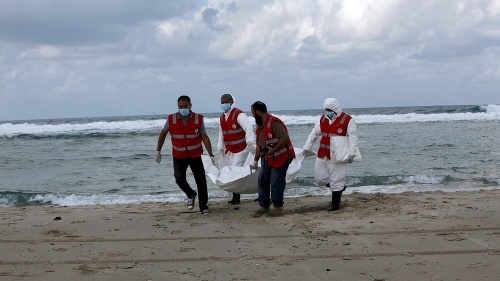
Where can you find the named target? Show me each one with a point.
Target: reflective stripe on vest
(193, 136)
(235, 142)
(233, 131)
(192, 147)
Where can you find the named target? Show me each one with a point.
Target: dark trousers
(180, 171)
(272, 181)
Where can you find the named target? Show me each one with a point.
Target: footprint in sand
(186, 249)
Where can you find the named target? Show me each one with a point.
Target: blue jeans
(272, 181)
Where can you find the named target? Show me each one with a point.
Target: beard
(258, 120)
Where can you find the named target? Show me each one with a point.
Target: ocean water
(89, 161)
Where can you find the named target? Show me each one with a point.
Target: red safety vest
(186, 140)
(338, 127)
(280, 157)
(232, 133)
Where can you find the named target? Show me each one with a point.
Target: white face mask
(184, 111)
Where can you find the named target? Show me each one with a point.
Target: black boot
(235, 200)
(336, 200)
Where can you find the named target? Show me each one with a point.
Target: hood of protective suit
(333, 104)
(234, 103)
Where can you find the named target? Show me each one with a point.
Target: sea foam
(491, 113)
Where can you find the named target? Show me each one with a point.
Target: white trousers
(234, 159)
(328, 172)
(239, 158)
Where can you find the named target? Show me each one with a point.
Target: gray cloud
(81, 22)
(95, 58)
(209, 17)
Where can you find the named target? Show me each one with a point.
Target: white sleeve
(247, 127)
(352, 133)
(313, 136)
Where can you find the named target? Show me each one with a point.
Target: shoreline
(90, 200)
(405, 236)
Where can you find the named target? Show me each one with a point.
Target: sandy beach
(408, 236)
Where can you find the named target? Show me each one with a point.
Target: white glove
(255, 165)
(350, 159)
(158, 156)
(251, 147)
(213, 160)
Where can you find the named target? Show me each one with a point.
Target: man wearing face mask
(187, 131)
(276, 152)
(327, 171)
(236, 136)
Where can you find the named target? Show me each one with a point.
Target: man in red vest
(275, 151)
(236, 136)
(187, 131)
(329, 168)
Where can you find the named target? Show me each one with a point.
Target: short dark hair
(227, 96)
(184, 98)
(260, 106)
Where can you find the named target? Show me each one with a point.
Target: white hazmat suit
(331, 172)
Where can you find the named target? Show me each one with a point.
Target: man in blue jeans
(275, 151)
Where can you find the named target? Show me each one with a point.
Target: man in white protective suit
(236, 136)
(338, 147)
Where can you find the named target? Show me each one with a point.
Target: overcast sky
(90, 58)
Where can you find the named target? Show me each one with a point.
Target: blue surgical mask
(225, 107)
(184, 111)
(330, 114)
